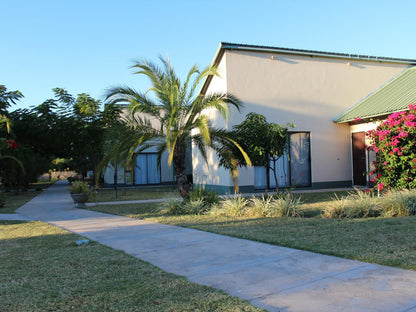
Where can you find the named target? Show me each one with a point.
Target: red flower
(11, 144)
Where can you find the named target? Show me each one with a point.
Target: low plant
(399, 203)
(80, 187)
(360, 204)
(234, 206)
(208, 197)
(260, 206)
(336, 209)
(2, 199)
(173, 205)
(285, 205)
(364, 205)
(194, 206)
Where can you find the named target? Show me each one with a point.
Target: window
(146, 170)
(293, 169)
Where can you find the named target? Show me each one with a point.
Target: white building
(315, 91)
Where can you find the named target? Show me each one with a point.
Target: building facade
(310, 89)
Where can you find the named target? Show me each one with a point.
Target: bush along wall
(393, 141)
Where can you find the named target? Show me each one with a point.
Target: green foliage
(208, 197)
(394, 144)
(172, 205)
(260, 206)
(399, 203)
(234, 206)
(262, 141)
(2, 199)
(173, 117)
(359, 204)
(286, 205)
(7, 98)
(194, 206)
(79, 187)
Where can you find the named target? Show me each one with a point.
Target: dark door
(300, 160)
(358, 158)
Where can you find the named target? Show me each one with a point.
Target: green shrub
(234, 206)
(194, 206)
(399, 203)
(172, 205)
(208, 197)
(364, 205)
(260, 206)
(2, 199)
(79, 187)
(336, 209)
(285, 205)
(359, 204)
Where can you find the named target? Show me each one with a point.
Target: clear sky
(87, 46)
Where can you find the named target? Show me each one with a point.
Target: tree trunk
(94, 165)
(275, 175)
(116, 179)
(179, 162)
(267, 166)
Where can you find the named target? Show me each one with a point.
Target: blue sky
(88, 46)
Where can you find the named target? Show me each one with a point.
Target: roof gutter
(232, 46)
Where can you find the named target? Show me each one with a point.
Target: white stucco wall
(310, 92)
(211, 173)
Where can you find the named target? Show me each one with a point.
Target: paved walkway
(272, 277)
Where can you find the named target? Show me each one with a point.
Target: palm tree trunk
(116, 179)
(179, 162)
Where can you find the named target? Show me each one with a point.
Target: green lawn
(15, 200)
(387, 241)
(138, 193)
(42, 269)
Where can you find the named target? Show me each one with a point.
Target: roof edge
(339, 119)
(246, 47)
(235, 46)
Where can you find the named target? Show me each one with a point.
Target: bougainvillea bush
(394, 142)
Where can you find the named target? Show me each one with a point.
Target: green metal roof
(394, 96)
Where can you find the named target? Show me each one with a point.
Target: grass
(386, 241)
(42, 269)
(16, 200)
(157, 192)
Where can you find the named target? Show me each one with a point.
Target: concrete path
(271, 277)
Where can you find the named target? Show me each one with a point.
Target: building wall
(210, 173)
(166, 172)
(307, 91)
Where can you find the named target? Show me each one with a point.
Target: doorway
(358, 159)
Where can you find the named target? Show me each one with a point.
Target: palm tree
(174, 115)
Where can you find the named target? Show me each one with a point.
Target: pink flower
(380, 186)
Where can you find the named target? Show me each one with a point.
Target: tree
(174, 115)
(393, 141)
(63, 127)
(7, 98)
(11, 169)
(116, 138)
(264, 143)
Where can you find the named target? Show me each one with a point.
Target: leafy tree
(393, 141)
(173, 116)
(116, 138)
(63, 127)
(7, 98)
(11, 168)
(264, 143)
